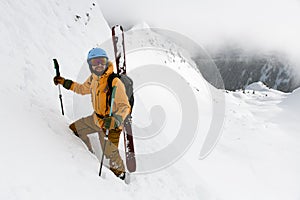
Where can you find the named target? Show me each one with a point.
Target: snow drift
(257, 157)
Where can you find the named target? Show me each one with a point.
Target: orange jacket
(98, 88)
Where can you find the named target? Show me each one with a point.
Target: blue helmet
(96, 52)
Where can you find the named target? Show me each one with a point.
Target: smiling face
(99, 68)
(98, 65)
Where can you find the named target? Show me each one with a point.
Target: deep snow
(257, 157)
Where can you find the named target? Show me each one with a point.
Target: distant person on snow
(97, 85)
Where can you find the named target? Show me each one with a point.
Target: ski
(119, 50)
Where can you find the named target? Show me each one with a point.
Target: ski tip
(117, 26)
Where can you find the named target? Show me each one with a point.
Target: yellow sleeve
(82, 88)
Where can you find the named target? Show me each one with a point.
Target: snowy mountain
(269, 28)
(239, 68)
(256, 158)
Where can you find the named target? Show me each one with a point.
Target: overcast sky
(270, 24)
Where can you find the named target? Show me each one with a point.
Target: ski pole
(56, 66)
(107, 130)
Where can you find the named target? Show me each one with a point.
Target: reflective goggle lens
(98, 61)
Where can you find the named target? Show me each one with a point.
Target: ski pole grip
(56, 66)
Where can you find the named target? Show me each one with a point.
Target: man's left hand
(111, 123)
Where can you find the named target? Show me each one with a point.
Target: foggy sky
(263, 24)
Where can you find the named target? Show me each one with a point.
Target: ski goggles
(98, 61)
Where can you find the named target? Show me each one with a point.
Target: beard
(98, 70)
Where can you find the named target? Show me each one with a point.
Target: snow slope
(257, 157)
(40, 158)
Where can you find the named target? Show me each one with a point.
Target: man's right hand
(59, 80)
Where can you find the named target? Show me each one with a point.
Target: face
(98, 65)
(100, 68)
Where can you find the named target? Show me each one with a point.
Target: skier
(100, 121)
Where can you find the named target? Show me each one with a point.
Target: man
(97, 85)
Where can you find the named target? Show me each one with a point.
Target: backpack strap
(110, 79)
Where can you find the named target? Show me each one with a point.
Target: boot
(73, 128)
(125, 177)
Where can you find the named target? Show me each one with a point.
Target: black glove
(111, 123)
(58, 80)
(64, 82)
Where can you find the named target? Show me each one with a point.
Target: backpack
(128, 83)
